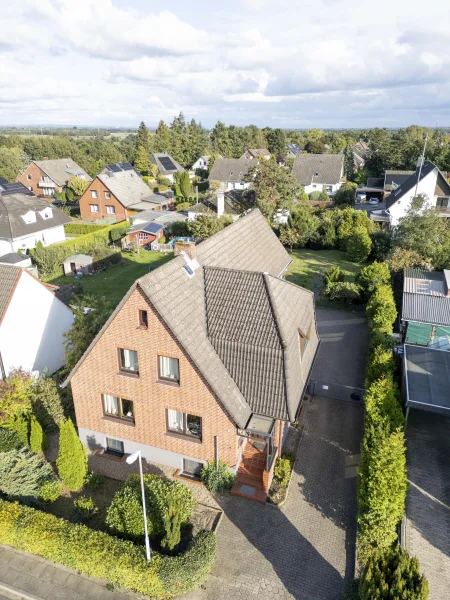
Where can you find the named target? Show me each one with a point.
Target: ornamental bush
(391, 575)
(9, 440)
(343, 291)
(22, 474)
(381, 309)
(81, 228)
(282, 471)
(124, 514)
(98, 554)
(84, 508)
(217, 480)
(358, 245)
(172, 521)
(72, 457)
(47, 403)
(50, 491)
(372, 276)
(333, 275)
(38, 439)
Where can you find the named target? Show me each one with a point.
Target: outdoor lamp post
(130, 460)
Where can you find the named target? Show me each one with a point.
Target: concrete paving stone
(88, 589)
(55, 575)
(22, 580)
(8, 575)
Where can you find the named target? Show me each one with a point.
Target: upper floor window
(110, 210)
(107, 195)
(128, 361)
(118, 407)
(184, 423)
(143, 318)
(28, 177)
(442, 202)
(94, 208)
(94, 194)
(169, 369)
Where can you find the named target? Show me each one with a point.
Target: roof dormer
(47, 213)
(29, 217)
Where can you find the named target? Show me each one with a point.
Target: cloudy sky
(281, 63)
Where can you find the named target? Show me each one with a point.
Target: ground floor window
(114, 447)
(184, 423)
(192, 468)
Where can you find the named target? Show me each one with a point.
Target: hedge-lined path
(306, 549)
(40, 579)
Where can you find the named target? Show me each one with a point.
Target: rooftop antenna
(421, 159)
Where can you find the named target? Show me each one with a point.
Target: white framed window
(169, 369)
(94, 194)
(111, 210)
(107, 195)
(128, 361)
(94, 208)
(28, 177)
(142, 235)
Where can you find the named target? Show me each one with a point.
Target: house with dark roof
(360, 152)
(234, 203)
(318, 171)
(167, 166)
(206, 357)
(293, 150)
(393, 179)
(26, 220)
(428, 181)
(230, 173)
(151, 225)
(116, 167)
(425, 322)
(44, 177)
(118, 194)
(258, 153)
(33, 322)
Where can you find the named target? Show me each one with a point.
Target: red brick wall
(148, 239)
(100, 374)
(36, 173)
(86, 200)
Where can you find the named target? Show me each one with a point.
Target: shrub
(217, 479)
(172, 522)
(381, 310)
(179, 229)
(343, 291)
(81, 228)
(20, 424)
(116, 233)
(47, 403)
(391, 575)
(38, 439)
(94, 480)
(163, 181)
(72, 458)
(381, 364)
(15, 394)
(358, 245)
(183, 205)
(23, 473)
(282, 471)
(333, 275)
(84, 508)
(315, 196)
(9, 440)
(50, 490)
(97, 554)
(125, 511)
(381, 244)
(371, 276)
(345, 194)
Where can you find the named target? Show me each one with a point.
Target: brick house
(120, 194)
(206, 357)
(43, 177)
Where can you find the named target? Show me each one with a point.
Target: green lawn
(308, 267)
(117, 280)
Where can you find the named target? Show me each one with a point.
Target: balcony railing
(42, 183)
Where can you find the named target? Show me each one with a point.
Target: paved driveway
(428, 500)
(306, 549)
(343, 348)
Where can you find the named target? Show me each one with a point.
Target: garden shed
(78, 263)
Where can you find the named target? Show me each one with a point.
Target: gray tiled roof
(231, 169)
(13, 206)
(328, 166)
(61, 170)
(182, 303)
(127, 187)
(258, 151)
(8, 279)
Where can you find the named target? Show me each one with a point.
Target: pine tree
(141, 161)
(38, 439)
(72, 457)
(162, 138)
(142, 138)
(185, 185)
(172, 518)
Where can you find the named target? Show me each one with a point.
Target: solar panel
(114, 168)
(167, 163)
(153, 228)
(15, 188)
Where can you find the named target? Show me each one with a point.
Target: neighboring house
(26, 220)
(426, 329)
(230, 173)
(258, 153)
(78, 264)
(149, 226)
(293, 151)
(394, 179)
(428, 181)
(116, 167)
(361, 153)
(316, 171)
(201, 163)
(234, 203)
(145, 233)
(32, 323)
(14, 258)
(206, 357)
(44, 177)
(167, 166)
(118, 194)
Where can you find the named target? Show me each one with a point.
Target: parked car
(373, 201)
(360, 198)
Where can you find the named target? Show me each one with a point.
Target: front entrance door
(73, 268)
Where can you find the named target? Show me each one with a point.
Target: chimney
(220, 203)
(187, 247)
(447, 281)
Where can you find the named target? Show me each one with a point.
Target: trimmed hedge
(81, 228)
(97, 554)
(49, 258)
